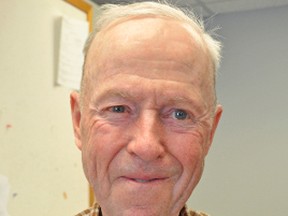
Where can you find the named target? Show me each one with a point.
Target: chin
(143, 211)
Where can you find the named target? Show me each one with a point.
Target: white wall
(37, 151)
(246, 170)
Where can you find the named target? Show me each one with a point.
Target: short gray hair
(112, 12)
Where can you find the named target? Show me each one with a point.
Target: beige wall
(37, 151)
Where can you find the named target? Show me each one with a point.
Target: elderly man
(147, 112)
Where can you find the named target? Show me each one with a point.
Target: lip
(144, 180)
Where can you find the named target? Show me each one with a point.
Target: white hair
(112, 12)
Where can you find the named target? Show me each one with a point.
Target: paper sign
(73, 36)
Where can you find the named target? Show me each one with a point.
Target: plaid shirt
(96, 211)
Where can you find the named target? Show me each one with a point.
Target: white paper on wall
(4, 195)
(73, 36)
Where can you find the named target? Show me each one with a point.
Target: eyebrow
(173, 98)
(187, 101)
(112, 93)
(181, 99)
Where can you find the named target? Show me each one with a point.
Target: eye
(180, 114)
(118, 109)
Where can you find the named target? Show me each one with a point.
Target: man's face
(148, 120)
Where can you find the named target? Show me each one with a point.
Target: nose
(148, 138)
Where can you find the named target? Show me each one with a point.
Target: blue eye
(180, 114)
(118, 109)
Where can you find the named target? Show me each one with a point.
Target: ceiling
(207, 8)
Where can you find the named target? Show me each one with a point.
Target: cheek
(102, 145)
(188, 153)
(188, 149)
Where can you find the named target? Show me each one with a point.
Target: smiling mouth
(143, 180)
(138, 180)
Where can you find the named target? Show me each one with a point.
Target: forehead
(149, 28)
(153, 39)
(150, 47)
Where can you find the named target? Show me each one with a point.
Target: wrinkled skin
(148, 117)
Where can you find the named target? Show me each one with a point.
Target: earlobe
(76, 117)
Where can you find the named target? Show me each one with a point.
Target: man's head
(147, 113)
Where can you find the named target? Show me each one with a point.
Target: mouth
(143, 181)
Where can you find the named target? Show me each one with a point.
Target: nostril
(146, 148)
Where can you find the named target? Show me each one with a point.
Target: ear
(216, 119)
(76, 117)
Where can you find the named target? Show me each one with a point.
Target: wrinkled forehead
(152, 39)
(148, 34)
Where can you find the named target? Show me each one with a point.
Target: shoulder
(194, 213)
(186, 212)
(95, 211)
(92, 211)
